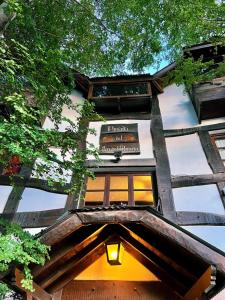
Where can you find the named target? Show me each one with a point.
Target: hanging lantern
(114, 252)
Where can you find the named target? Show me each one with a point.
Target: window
(219, 141)
(130, 189)
(110, 89)
(118, 96)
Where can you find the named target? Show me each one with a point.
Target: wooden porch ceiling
(173, 255)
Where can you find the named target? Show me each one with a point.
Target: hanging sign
(119, 137)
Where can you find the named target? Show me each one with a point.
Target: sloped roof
(176, 257)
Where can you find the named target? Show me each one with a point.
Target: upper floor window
(209, 99)
(112, 89)
(129, 189)
(219, 141)
(116, 95)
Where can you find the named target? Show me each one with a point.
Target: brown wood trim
(38, 293)
(205, 283)
(163, 174)
(34, 219)
(211, 153)
(127, 116)
(128, 232)
(69, 249)
(41, 184)
(192, 180)
(214, 159)
(121, 97)
(161, 273)
(191, 130)
(122, 163)
(100, 81)
(73, 264)
(77, 268)
(186, 218)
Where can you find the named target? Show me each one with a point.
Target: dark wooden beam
(77, 268)
(69, 249)
(204, 284)
(212, 155)
(66, 267)
(41, 184)
(34, 219)
(165, 258)
(186, 218)
(214, 159)
(185, 131)
(162, 163)
(192, 180)
(122, 163)
(161, 273)
(38, 293)
(62, 229)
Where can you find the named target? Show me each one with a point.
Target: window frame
(215, 137)
(130, 190)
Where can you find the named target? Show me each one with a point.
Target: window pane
(222, 153)
(96, 184)
(142, 182)
(118, 183)
(94, 196)
(143, 196)
(118, 196)
(220, 142)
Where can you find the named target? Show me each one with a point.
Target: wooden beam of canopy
(38, 293)
(204, 284)
(69, 264)
(185, 218)
(158, 253)
(76, 268)
(69, 249)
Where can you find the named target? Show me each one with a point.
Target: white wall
(203, 198)
(186, 155)
(71, 114)
(4, 194)
(211, 234)
(144, 134)
(37, 200)
(176, 108)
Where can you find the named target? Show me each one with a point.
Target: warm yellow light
(114, 251)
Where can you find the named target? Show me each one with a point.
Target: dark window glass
(108, 90)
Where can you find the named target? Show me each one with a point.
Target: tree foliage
(43, 41)
(18, 247)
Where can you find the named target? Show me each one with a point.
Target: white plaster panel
(213, 121)
(77, 99)
(176, 108)
(144, 134)
(220, 295)
(186, 156)
(214, 235)
(204, 198)
(37, 200)
(4, 194)
(65, 176)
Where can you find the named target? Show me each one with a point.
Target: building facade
(159, 189)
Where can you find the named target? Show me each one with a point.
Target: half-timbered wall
(32, 198)
(145, 139)
(199, 204)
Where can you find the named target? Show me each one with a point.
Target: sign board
(119, 137)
